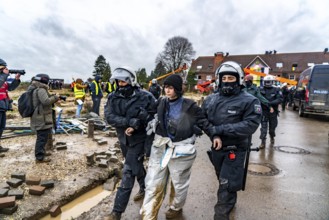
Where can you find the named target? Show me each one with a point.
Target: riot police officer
(270, 113)
(235, 115)
(129, 109)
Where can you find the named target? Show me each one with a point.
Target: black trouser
(268, 120)
(133, 168)
(284, 103)
(96, 104)
(2, 122)
(42, 138)
(230, 174)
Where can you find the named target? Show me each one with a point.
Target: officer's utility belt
(233, 148)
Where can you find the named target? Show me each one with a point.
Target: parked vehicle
(312, 93)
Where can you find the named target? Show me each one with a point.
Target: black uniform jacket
(235, 117)
(274, 96)
(120, 111)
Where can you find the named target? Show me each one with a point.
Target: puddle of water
(81, 204)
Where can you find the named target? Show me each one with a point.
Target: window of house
(279, 65)
(209, 77)
(325, 63)
(291, 76)
(210, 66)
(199, 67)
(294, 66)
(310, 64)
(199, 77)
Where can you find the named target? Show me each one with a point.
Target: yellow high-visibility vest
(96, 87)
(111, 87)
(78, 93)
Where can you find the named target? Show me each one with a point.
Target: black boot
(272, 140)
(263, 144)
(113, 216)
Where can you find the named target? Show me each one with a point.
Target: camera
(62, 97)
(21, 72)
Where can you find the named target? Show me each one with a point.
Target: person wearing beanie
(177, 123)
(96, 93)
(4, 97)
(42, 118)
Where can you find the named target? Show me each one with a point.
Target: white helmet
(230, 68)
(154, 81)
(269, 81)
(126, 74)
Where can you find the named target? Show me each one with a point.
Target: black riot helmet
(2, 62)
(43, 78)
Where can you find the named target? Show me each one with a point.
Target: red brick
(37, 190)
(7, 202)
(33, 180)
(55, 211)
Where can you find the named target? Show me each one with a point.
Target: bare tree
(177, 51)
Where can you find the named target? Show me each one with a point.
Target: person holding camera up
(42, 118)
(4, 98)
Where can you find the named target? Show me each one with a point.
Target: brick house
(287, 65)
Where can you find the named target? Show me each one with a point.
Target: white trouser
(168, 158)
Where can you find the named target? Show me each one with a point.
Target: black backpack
(25, 104)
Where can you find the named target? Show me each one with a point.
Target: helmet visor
(123, 75)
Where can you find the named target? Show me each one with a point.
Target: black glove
(142, 114)
(212, 131)
(134, 123)
(196, 130)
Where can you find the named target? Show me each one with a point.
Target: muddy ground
(68, 168)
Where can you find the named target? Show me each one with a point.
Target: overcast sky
(63, 38)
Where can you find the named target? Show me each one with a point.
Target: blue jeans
(79, 108)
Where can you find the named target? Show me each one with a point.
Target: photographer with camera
(42, 118)
(5, 101)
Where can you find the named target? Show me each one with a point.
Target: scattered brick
(19, 194)
(13, 182)
(2, 155)
(100, 153)
(9, 210)
(101, 157)
(7, 202)
(60, 143)
(47, 183)
(114, 159)
(117, 145)
(37, 190)
(4, 186)
(20, 176)
(90, 159)
(32, 180)
(102, 142)
(112, 134)
(61, 147)
(3, 192)
(103, 163)
(97, 138)
(55, 211)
